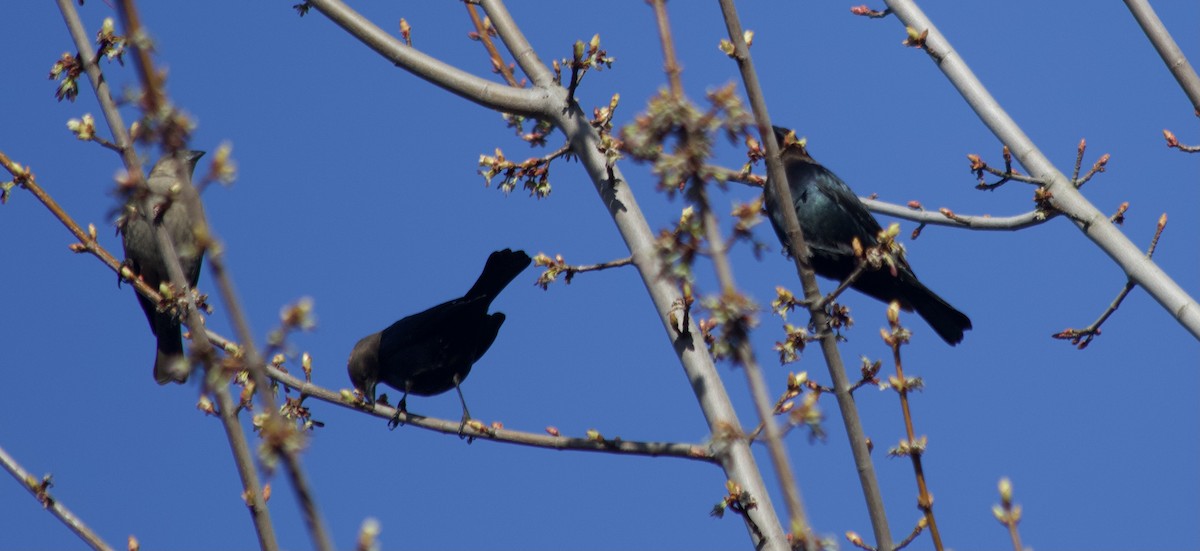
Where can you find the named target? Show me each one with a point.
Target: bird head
(188, 158)
(790, 145)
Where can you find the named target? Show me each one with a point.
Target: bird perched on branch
(831, 216)
(170, 186)
(431, 352)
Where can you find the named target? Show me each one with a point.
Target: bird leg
(859, 269)
(466, 416)
(401, 409)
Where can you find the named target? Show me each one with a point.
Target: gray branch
(1167, 49)
(1066, 198)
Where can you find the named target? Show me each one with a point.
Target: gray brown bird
(432, 351)
(168, 189)
(831, 216)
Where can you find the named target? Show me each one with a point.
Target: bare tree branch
(41, 490)
(1171, 55)
(1063, 194)
(779, 189)
(521, 101)
(243, 459)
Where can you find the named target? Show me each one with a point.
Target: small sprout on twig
(736, 499)
(748, 215)
(727, 48)
(796, 382)
(552, 431)
(909, 447)
(83, 128)
(205, 405)
(1173, 142)
(85, 247)
(109, 44)
(534, 171)
(246, 398)
(368, 535)
(1079, 151)
(868, 12)
(555, 266)
(594, 435)
(405, 31)
(1119, 216)
(898, 333)
(857, 541)
(299, 315)
(585, 57)
(1007, 512)
(68, 68)
(785, 301)
(922, 524)
(1042, 199)
(678, 247)
(706, 327)
(735, 314)
(488, 29)
(914, 39)
(223, 168)
(795, 338)
(1097, 167)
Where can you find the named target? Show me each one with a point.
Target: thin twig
(618, 446)
(497, 60)
(912, 447)
(1081, 338)
(800, 529)
(779, 192)
(1078, 160)
(556, 266)
(1009, 513)
(1097, 167)
(41, 490)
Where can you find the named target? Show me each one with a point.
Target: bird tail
(170, 364)
(501, 268)
(945, 320)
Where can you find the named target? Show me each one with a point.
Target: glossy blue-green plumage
(831, 216)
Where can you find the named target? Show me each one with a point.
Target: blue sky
(358, 187)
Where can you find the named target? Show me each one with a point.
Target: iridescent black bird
(831, 216)
(431, 352)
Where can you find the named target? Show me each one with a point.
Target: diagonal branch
(243, 459)
(40, 490)
(1176, 62)
(1064, 196)
(778, 189)
(521, 101)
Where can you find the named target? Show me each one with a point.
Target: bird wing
(840, 194)
(421, 340)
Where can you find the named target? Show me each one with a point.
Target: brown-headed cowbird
(168, 190)
(431, 352)
(831, 216)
